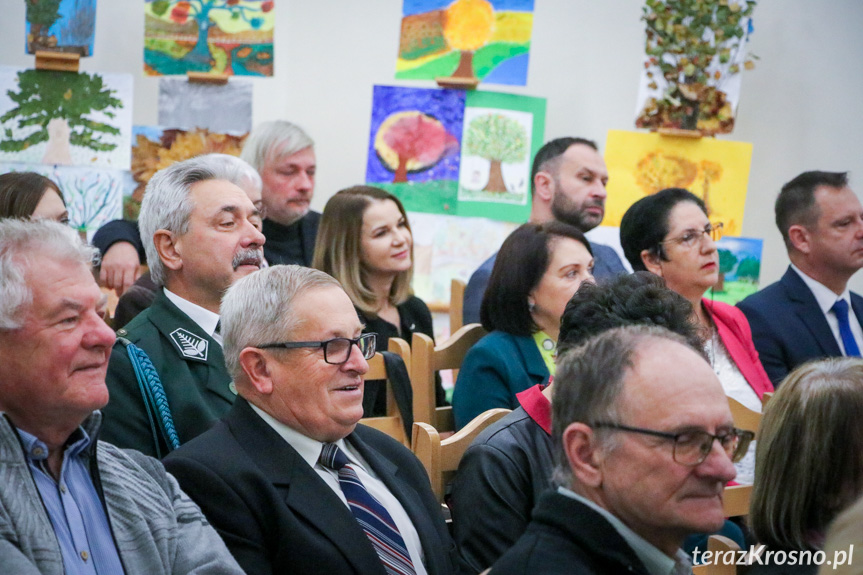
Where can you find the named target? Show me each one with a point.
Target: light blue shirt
(74, 507)
(655, 561)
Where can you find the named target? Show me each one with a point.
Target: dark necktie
(840, 308)
(369, 513)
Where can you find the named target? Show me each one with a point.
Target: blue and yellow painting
(230, 37)
(739, 268)
(486, 40)
(61, 26)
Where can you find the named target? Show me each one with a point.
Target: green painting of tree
(497, 138)
(57, 107)
(41, 14)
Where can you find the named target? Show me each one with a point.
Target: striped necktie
(369, 513)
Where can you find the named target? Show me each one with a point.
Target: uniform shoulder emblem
(189, 344)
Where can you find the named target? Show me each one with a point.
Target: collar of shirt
(205, 319)
(536, 405)
(825, 296)
(656, 562)
(37, 451)
(308, 448)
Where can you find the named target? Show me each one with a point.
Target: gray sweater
(157, 528)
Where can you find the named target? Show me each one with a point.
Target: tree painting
(412, 142)
(230, 36)
(61, 26)
(41, 15)
(467, 27)
(58, 108)
(727, 261)
(692, 47)
(497, 138)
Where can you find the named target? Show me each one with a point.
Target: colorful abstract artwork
(188, 105)
(485, 40)
(452, 152)
(156, 148)
(61, 26)
(447, 248)
(694, 54)
(93, 197)
(65, 118)
(232, 37)
(739, 268)
(642, 164)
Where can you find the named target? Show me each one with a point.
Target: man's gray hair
(274, 140)
(247, 177)
(25, 243)
(589, 381)
(258, 308)
(167, 203)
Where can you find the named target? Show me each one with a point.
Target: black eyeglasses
(693, 447)
(336, 350)
(692, 237)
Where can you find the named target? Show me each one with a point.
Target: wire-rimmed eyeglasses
(692, 237)
(693, 447)
(337, 350)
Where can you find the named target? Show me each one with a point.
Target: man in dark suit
(202, 233)
(284, 155)
(644, 443)
(800, 317)
(263, 475)
(569, 178)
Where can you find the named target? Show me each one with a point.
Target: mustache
(248, 257)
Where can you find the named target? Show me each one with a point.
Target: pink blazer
(735, 333)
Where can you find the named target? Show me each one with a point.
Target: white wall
(801, 107)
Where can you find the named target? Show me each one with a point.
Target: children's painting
(188, 105)
(93, 196)
(414, 145)
(642, 164)
(480, 40)
(61, 26)
(231, 37)
(457, 153)
(739, 268)
(694, 53)
(156, 148)
(66, 118)
(447, 248)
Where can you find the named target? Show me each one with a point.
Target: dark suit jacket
(197, 385)
(282, 242)
(788, 327)
(498, 367)
(278, 516)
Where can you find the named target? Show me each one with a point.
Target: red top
(536, 405)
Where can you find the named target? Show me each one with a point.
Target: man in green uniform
(201, 233)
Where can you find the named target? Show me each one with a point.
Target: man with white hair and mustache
(201, 233)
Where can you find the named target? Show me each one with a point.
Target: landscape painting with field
(231, 37)
(480, 40)
(739, 268)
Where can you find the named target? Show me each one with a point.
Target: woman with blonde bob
(365, 241)
(809, 461)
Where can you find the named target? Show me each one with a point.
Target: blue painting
(739, 268)
(61, 26)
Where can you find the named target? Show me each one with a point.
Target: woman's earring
(531, 306)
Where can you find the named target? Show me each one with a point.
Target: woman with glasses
(669, 234)
(809, 461)
(364, 241)
(537, 271)
(29, 195)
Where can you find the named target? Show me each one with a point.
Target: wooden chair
(718, 544)
(735, 498)
(426, 360)
(392, 423)
(743, 417)
(441, 457)
(456, 304)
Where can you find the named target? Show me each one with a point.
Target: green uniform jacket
(193, 373)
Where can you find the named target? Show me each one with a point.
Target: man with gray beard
(201, 233)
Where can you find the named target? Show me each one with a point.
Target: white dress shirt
(310, 450)
(826, 298)
(204, 318)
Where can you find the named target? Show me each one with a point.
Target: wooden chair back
(426, 360)
(744, 418)
(718, 544)
(392, 423)
(735, 498)
(441, 457)
(456, 304)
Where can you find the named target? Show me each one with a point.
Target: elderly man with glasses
(289, 479)
(644, 444)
